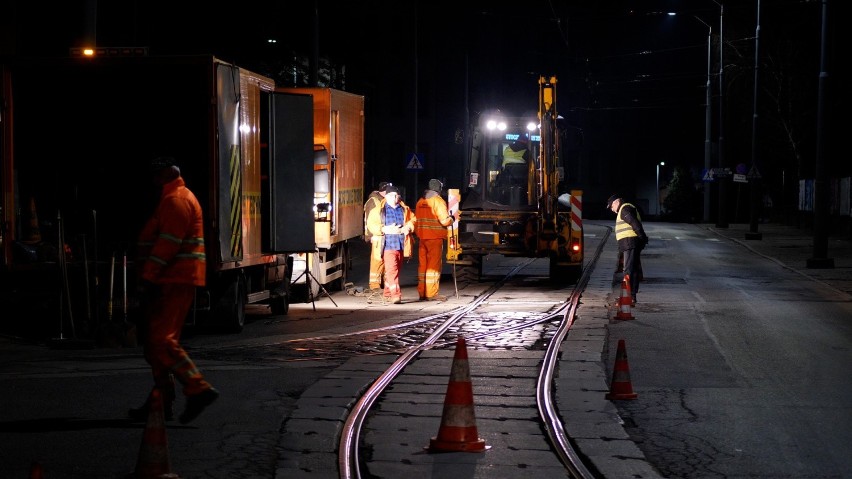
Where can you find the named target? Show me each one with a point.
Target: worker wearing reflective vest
(431, 228)
(393, 222)
(172, 264)
(516, 153)
(631, 238)
(377, 266)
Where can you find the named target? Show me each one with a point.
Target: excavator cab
(503, 163)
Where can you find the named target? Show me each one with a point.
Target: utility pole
(708, 119)
(722, 221)
(754, 177)
(416, 102)
(821, 259)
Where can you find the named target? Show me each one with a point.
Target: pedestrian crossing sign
(753, 173)
(414, 162)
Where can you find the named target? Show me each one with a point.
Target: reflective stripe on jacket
(376, 220)
(432, 217)
(171, 245)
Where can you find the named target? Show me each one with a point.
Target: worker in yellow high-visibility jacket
(631, 238)
(377, 265)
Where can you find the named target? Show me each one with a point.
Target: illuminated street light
(708, 118)
(722, 221)
(708, 111)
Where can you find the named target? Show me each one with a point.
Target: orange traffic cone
(458, 431)
(621, 387)
(153, 461)
(625, 302)
(36, 471)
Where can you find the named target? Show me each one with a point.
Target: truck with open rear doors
(78, 135)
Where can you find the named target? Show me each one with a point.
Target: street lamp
(708, 111)
(708, 118)
(662, 163)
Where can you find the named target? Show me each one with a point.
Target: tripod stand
(308, 278)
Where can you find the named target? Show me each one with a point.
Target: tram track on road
(521, 311)
(486, 316)
(558, 318)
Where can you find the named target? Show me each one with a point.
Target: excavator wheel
(470, 271)
(564, 274)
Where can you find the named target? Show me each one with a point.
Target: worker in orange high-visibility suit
(431, 229)
(172, 265)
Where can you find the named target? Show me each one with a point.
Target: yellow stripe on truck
(236, 205)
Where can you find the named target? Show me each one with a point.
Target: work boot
(196, 403)
(438, 297)
(140, 414)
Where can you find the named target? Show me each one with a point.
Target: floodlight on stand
(322, 211)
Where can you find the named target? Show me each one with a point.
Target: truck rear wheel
(231, 308)
(342, 253)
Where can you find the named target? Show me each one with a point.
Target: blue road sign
(415, 162)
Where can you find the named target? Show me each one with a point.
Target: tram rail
(348, 451)
(548, 314)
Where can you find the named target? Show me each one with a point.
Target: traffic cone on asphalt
(625, 302)
(621, 387)
(458, 431)
(153, 461)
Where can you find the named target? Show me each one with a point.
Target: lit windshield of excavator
(509, 159)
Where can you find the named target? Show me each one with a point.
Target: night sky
(631, 80)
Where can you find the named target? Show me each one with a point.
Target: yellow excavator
(517, 202)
